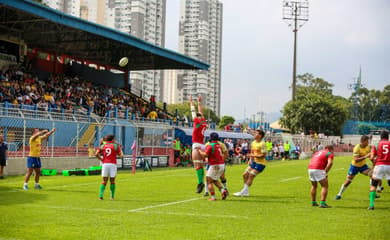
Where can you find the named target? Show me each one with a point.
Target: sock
(313, 202)
(112, 188)
(102, 188)
(37, 184)
(322, 202)
(224, 182)
(206, 188)
(25, 184)
(342, 189)
(246, 188)
(212, 194)
(372, 198)
(200, 174)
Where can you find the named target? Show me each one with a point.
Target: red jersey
(383, 153)
(200, 125)
(214, 153)
(109, 150)
(320, 159)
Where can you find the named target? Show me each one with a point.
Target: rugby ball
(123, 62)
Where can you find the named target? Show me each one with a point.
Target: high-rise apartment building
(144, 19)
(71, 7)
(200, 37)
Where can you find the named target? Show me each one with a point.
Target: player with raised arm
(200, 125)
(319, 167)
(382, 166)
(256, 164)
(107, 153)
(34, 157)
(361, 152)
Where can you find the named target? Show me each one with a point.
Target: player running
(107, 153)
(319, 166)
(382, 166)
(256, 164)
(216, 167)
(360, 153)
(200, 125)
(34, 157)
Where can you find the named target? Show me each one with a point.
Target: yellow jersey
(258, 148)
(359, 151)
(35, 147)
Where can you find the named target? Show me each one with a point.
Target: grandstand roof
(48, 29)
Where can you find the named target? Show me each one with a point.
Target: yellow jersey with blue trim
(359, 151)
(258, 148)
(35, 146)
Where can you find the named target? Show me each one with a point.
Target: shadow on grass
(12, 196)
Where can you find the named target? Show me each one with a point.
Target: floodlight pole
(296, 11)
(294, 77)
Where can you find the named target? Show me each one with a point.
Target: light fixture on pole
(296, 14)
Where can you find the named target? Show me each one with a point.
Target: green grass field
(163, 205)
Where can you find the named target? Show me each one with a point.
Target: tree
(372, 105)
(226, 120)
(315, 108)
(183, 110)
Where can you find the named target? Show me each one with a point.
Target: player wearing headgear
(382, 166)
(319, 166)
(200, 125)
(107, 153)
(256, 164)
(216, 167)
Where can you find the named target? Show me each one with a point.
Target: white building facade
(200, 37)
(144, 19)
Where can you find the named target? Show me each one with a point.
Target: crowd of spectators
(71, 93)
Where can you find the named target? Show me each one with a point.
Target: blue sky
(257, 49)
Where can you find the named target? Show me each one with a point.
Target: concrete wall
(17, 166)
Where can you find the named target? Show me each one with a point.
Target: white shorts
(316, 175)
(215, 171)
(109, 170)
(381, 171)
(198, 145)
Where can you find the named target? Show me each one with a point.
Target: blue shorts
(257, 166)
(33, 162)
(353, 170)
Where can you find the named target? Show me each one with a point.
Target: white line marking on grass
(164, 204)
(289, 179)
(144, 212)
(196, 215)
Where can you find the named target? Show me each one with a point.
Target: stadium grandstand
(61, 71)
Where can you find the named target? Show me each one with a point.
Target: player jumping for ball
(200, 125)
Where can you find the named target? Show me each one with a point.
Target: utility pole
(296, 14)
